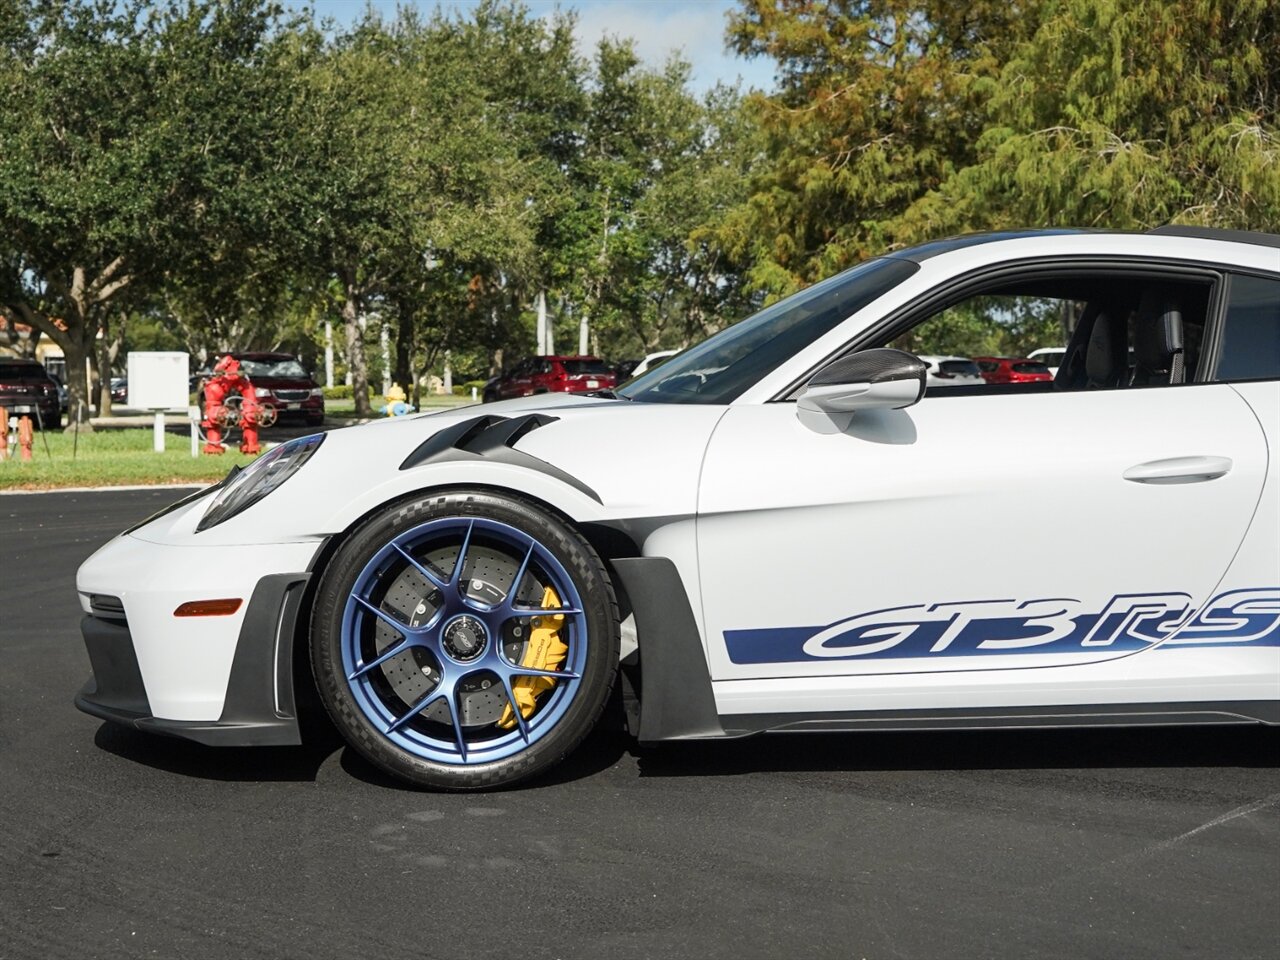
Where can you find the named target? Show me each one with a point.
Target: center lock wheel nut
(465, 638)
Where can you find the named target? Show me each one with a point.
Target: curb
(140, 486)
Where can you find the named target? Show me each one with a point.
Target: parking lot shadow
(1209, 746)
(601, 750)
(268, 764)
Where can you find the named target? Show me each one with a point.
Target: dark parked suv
(24, 383)
(281, 381)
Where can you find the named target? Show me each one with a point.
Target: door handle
(1179, 470)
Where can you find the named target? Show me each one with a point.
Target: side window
(994, 325)
(1088, 331)
(985, 341)
(1251, 334)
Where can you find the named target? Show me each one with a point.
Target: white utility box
(159, 380)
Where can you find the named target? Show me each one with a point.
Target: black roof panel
(1213, 233)
(935, 247)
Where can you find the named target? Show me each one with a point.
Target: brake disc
(413, 599)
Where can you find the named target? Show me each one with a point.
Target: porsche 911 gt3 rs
(805, 547)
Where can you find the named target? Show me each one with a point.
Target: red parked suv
(1012, 370)
(281, 381)
(552, 375)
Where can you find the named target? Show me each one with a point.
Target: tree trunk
(404, 351)
(106, 349)
(77, 384)
(355, 349)
(328, 353)
(543, 349)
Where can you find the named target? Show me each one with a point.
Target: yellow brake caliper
(545, 651)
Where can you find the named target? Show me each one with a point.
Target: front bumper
(259, 707)
(194, 676)
(312, 407)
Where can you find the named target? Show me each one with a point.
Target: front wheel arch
(385, 719)
(609, 543)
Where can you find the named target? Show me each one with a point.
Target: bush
(465, 389)
(343, 392)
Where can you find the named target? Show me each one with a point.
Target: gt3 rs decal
(1127, 622)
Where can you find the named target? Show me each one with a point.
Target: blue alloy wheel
(464, 639)
(439, 633)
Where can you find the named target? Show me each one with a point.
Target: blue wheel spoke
(383, 657)
(510, 599)
(455, 578)
(458, 736)
(515, 670)
(422, 704)
(402, 628)
(427, 573)
(543, 611)
(515, 706)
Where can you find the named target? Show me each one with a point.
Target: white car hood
(595, 460)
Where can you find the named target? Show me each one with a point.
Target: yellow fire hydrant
(396, 405)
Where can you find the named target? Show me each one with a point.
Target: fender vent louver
(491, 438)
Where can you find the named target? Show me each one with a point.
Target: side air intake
(491, 438)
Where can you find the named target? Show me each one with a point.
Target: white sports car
(464, 589)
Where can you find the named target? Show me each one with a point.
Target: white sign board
(159, 380)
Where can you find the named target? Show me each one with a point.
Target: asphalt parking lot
(1156, 843)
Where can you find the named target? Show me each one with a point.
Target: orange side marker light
(209, 608)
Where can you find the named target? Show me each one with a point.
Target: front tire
(465, 640)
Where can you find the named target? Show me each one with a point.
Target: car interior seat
(1157, 340)
(1096, 357)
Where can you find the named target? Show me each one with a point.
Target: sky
(694, 28)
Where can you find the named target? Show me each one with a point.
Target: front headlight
(255, 481)
(261, 392)
(317, 392)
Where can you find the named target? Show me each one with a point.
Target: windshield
(290, 368)
(23, 373)
(1030, 367)
(589, 365)
(720, 368)
(964, 367)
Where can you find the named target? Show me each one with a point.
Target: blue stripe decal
(1128, 622)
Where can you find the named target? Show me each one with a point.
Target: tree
(1127, 114)
(397, 164)
(878, 102)
(132, 142)
(536, 94)
(656, 170)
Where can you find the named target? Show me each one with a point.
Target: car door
(820, 546)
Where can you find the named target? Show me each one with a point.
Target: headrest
(1100, 357)
(1158, 335)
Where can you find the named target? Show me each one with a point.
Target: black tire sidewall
(568, 547)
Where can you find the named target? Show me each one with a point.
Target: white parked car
(463, 589)
(652, 360)
(1051, 357)
(944, 371)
